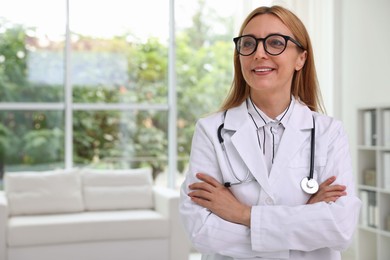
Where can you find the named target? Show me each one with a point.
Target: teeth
(262, 70)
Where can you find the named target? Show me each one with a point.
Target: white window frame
(69, 107)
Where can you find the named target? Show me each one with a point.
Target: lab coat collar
(261, 119)
(244, 141)
(296, 133)
(300, 117)
(237, 119)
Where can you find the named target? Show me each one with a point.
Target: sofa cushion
(86, 227)
(117, 189)
(30, 193)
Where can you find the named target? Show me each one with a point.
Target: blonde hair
(304, 86)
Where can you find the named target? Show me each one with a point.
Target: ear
(301, 59)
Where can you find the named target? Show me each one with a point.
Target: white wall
(365, 58)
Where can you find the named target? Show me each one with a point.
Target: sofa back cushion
(32, 193)
(117, 189)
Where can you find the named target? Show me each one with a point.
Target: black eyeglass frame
(285, 37)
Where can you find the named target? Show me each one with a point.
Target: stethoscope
(308, 184)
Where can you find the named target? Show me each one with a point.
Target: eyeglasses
(274, 44)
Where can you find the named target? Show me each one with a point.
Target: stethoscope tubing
(227, 159)
(309, 185)
(312, 150)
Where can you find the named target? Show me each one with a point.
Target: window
(31, 85)
(97, 95)
(108, 73)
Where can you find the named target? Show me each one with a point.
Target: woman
(249, 192)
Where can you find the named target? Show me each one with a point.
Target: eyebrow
(251, 34)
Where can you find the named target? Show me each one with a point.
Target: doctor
(252, 190)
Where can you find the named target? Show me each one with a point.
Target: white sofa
(89, 215)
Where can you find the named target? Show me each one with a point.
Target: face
(265, 73)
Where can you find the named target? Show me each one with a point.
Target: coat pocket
(301, 162)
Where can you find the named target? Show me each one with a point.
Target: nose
(260, 51)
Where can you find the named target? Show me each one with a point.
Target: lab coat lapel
(296, 133)
(245, 142)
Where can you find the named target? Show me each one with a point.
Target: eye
(276, 42)
(247, 43)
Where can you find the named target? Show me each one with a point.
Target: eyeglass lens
(273, 44)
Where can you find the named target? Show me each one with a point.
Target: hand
(211, 194)
(328, 192)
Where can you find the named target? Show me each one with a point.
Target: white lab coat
(282, 225)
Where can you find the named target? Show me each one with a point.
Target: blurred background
(120, 84)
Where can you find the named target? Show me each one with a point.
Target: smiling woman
(256, 163)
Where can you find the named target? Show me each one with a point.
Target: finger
(336, 188)
(201, 186)
(328, 197)
(201, 202)
(328, 181)
(335, 194)
(200, 194)
(330, 188)
(208, 179)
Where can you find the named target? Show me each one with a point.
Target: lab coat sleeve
(209, 233)
(314, 226)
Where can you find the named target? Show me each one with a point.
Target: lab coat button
(269, 201)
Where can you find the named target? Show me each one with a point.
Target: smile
(263, 70)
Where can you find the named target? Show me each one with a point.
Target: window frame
(68, 107)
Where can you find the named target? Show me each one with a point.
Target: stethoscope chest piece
(309, 186)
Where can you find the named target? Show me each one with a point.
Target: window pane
(31, 51)
(204, 62)
(118, 53)
(31, 140)
(114, 139)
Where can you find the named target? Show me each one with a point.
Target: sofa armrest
(3, 225)
(167, 203)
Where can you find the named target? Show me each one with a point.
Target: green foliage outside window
(204, 73)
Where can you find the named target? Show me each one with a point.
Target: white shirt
(269, 131)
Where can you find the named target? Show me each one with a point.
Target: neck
(272, 106)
